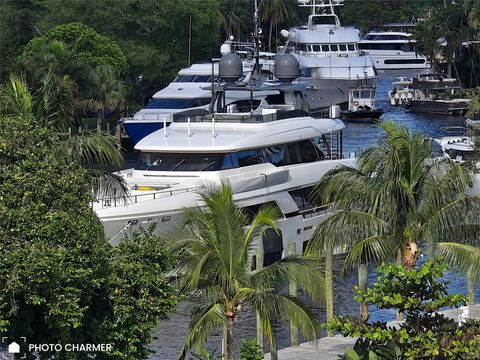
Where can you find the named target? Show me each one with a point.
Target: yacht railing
(108, 202)
(241, 117)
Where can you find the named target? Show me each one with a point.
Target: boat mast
(256, 37)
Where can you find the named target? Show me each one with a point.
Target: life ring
(355, 103)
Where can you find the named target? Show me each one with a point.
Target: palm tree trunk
(292, 291)
(258, 266)
(470, 288)
(228, 354)
(409, 256)
(329, 285)
(362, 284)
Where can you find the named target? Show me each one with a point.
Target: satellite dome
(287, 68)
(230, 67)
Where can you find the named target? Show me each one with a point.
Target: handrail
(108, 202)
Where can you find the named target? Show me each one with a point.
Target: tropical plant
(251, 350)
(95, 150)
(398, 200)
(61, 281)
(215, 265)
(274, 12)
(425, 334)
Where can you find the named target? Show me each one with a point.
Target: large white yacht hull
(325, 92)
(387, 60)
(265, 183)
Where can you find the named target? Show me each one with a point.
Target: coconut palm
(106, 92)
(274, 12)
(215, 265)
(400, 199)
(95, 150)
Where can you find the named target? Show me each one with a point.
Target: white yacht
(392, 47)
(273, 154)
(191, 91)
(329, 57)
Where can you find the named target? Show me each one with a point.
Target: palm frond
(212, 318)
(461, 258)
(304, 271)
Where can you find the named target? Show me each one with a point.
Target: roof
(236, 136)
(337, 36)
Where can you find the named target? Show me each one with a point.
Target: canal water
(171, 333)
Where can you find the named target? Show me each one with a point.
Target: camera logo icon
(14, 348)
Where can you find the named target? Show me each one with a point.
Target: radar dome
(287, 68)
(225, 49)
(230, 67)
(284, 33)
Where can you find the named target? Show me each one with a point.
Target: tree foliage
(425, 334)
(60, 280)
(214, 251)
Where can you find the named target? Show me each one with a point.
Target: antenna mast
(256, 37)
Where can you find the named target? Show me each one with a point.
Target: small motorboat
(361, 105)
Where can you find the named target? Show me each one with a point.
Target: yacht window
(249, 157)
(351, 47)
(178, 161)
(303, 47)
(355, 94)
(342, 47)
(186, 78)
(310, 48)
(325, 48)
(308, 151)
(334, 47)
(177, 103)
(202, 78)
(316, 48)
(177, 79)
(302, 198)
(365, 94)
(370, 37)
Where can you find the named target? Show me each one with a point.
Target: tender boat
(273, 154)
(329, 57)
(361, 105)
(391, 46)
(430, 93)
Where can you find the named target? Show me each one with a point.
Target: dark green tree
(60, 280)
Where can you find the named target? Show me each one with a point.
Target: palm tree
(95, 150)
(106, 92)
(274, 12)
(215, 264)
(397, 201)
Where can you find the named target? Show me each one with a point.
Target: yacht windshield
(177, 103)
(178, 162)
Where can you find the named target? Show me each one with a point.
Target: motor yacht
(361, 105)
(330, 60)
(392, 47)
(191, 91)
(271, 154)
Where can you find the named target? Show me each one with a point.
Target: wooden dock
(329, 348)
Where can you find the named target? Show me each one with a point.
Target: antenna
(256, 38)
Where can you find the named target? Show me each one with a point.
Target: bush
(251, 350)
(425, 334)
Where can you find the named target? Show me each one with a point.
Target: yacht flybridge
(330, 60)
(272, 153)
